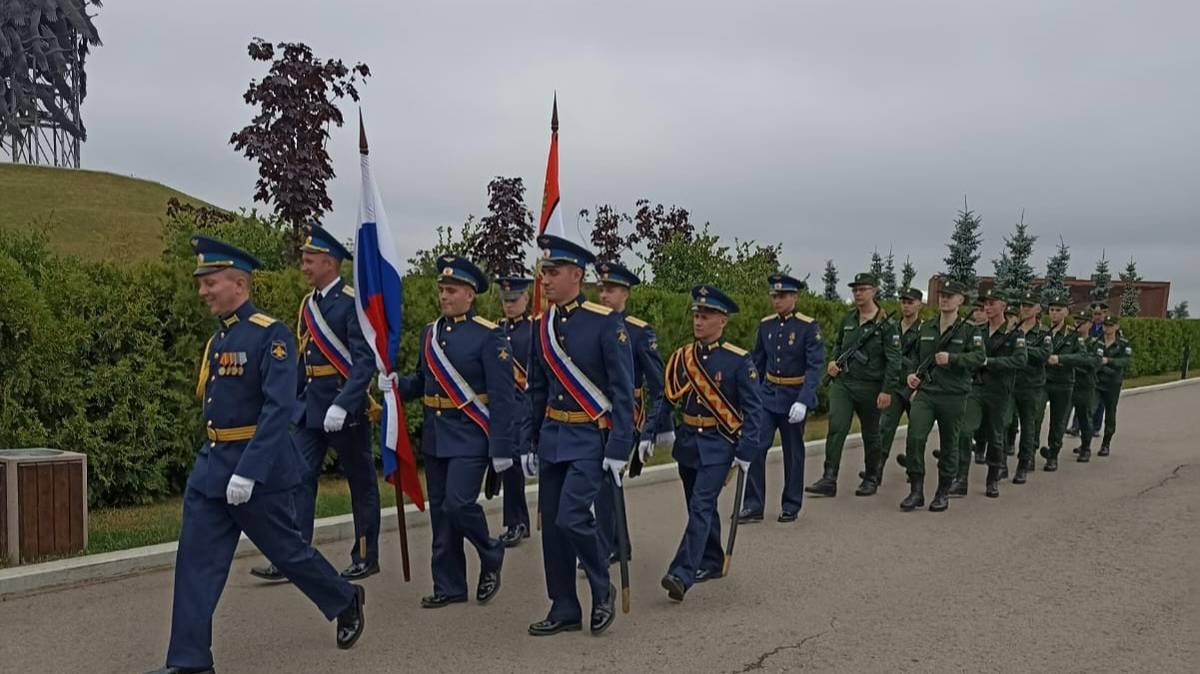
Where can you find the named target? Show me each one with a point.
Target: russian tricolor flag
(380, 303)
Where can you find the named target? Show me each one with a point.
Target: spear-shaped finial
(362, 135)
(554, 114)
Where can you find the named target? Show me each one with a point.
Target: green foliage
(876, 267)
(1130, 293)
(1101, 280)
(685, 261)
(424, 261)
(830, 279)
(1180, 311)
(887, 280)
(964, 248)
(1014, 274)
(907, 273)
(1158, 344)
(266, 238)
(1056, 273)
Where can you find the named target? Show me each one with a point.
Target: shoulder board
(637, 322)
(736, 349)
(348, 291)
(484, 322)
(261, 320)
(804, 317)
(597, 308)
(768, 319)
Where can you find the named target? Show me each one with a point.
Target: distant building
(1154, 299)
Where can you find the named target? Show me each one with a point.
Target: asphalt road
(1093, 568)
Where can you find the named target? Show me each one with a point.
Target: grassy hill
(87, 213)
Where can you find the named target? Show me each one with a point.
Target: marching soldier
(1011, 319)
(971, 429)
(865, 372)
(335, 367)
(1065, 354)
(789, 353)
(948, 351)
(1099, 311)
(715, 385)
(1083, 396)
(581, 394)
(1117, 356)
(246, 475)
(514, 299)
(615, 282)
(1029, 392)
(912, 300)
(464, 377)
(1006, 355)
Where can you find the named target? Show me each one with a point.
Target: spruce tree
(831, 280)
(1056, 273)
(1014, 274)
(1101, 280)
(887, 280)
(964, 248)
(907, 273)
(876, 264)
(1130, 293)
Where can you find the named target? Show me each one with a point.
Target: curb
(64, 573)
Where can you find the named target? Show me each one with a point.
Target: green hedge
(102, 359)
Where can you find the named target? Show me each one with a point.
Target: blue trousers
(792, 437)
(353, 447)
(206, 545)
(701, 544)
(516, 510)
(566, 492)
(454, 511)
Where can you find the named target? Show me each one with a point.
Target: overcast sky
(834, 127)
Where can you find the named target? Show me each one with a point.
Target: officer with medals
(335, 367)
(908, 326)
(581, 394)
(615, 282)
(789, 353)
(1117, 355)
(948, 351)
(1061, 361)
(865, 372)
(464, 377)
(1029, 392)
(515, 326)
(247, 474)
(715, 386)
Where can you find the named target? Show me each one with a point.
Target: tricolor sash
(708, 393)
(589, 397)
(317, 330)
(453, 383)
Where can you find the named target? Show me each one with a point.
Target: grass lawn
(91, 214)
(136, 526)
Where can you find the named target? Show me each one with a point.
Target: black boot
(1051, 464)
(1004, 469)
(1022, 472)
(869, 484)
(1104, 450)
(941, 498)
(916, 496)
(826, 486)
(992, 486)
(958, 487)
(1085, 454)
(980, 455)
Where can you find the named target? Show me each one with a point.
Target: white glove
(645, 450)
(797, 413)
(239, 490)
(387, 381)
(665, 439)
(744, 465)
(529, 465)
(614, 466)
(335, 418)
(501, 464)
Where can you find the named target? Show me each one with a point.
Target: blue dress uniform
(456, 448)
(248, 388)
(647, 394)
(320, 385)
(789, 355)
(571, 445)
(520, 337)
(704, 447)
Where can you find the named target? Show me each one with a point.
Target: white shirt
(326, 289)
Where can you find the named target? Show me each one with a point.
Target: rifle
(855, 351)
(924, 370)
